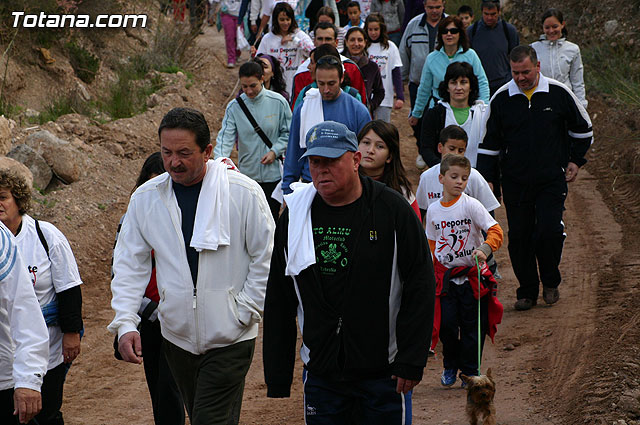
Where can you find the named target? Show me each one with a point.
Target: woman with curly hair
(56, 281)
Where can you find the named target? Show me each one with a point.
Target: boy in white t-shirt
(453, 141)
(454, 227)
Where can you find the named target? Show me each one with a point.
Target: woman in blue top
(452, 46)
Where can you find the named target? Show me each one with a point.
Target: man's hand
(398, 104)
(70, 346)
(413, 121)
(571, 172)
(404, 385)
(268, 158)
(27, 403)
(254, 28)
(130, 347)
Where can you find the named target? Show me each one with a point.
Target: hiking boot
(524, 304)
(448, 377)
(550, 295)
(420, 162)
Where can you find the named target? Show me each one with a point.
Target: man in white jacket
(24, 339)
(211, 232)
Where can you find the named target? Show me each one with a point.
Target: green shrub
(83, 62)
(617, 76)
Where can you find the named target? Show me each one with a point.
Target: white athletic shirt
(48, 277)
(290, 55)
(387, 60)
(457, 231)
(430, 189)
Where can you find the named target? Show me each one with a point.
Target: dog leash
(479, 325)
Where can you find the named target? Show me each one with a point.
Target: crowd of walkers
(372, 271)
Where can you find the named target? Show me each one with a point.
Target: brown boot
(524, 304)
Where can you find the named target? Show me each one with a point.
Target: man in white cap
(351, 261)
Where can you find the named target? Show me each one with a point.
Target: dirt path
(536, 380)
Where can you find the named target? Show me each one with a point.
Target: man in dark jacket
(351, 262)
(538, 133)
(492, 38)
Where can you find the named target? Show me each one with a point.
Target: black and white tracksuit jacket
(533, 141)
(384, 326)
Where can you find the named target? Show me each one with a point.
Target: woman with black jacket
(355, 49)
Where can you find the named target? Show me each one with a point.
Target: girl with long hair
(386, 55)
(272, 76)
(356, 50)
(286, 42)
(379, 143)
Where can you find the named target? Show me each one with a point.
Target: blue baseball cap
(330, 139)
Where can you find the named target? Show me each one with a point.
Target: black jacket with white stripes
(533, 141)
(385, 322)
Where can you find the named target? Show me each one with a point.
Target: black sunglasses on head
(453, 31)
(331, 60)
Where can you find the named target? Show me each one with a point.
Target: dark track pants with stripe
(361, 402)
(536, 233)
(459, 328)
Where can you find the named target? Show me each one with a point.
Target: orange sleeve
(432, 246)
(494, 237)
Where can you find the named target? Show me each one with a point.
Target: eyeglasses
(331, 60)
(453, 31)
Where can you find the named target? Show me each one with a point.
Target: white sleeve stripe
(581, 135)
(488, 152)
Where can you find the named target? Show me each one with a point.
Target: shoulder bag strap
(43, 241)
(253, 122)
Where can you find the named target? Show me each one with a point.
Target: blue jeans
(361, 402)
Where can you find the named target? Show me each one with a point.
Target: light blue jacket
(273, 114)
(433, 73)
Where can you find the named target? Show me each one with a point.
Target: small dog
(480, 392)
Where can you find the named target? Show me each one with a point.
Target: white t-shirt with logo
(290, 54)
(430, 189)
(457, 231)
(387, 60)
(48, 276)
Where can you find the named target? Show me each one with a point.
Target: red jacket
(303, 79)
(489, 283)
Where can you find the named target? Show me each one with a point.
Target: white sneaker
(231, 65)
(420, 162)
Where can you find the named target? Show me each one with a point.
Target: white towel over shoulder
(310, 114)
(302, 252)
(211, 226)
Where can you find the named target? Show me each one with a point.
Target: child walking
(379, 143)
(286, 42)
(454, 227)
(229, 10)
(386, 55)
(453, 141)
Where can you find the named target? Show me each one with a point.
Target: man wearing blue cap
(351, 261)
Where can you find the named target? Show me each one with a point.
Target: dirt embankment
(573, 363)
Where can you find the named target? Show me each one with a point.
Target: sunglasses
(453, 31)
(331, 60)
